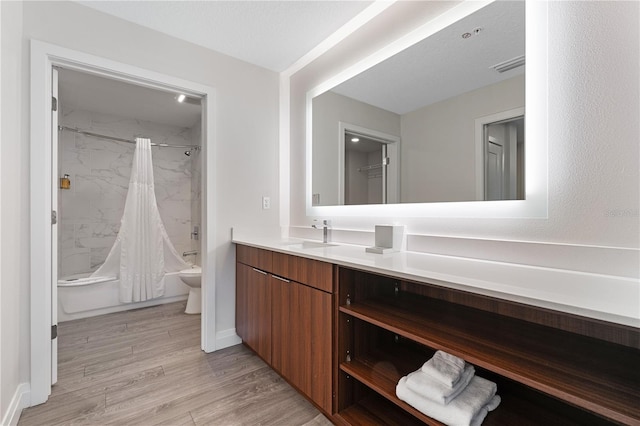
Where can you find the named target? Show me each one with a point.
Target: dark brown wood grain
(306, 271)
(302, 349)
(375, 410)
(256, 315)
(255, 257)
(292, 321)
(242, 278)
(551, 367)
(591, 327)
(597, 376)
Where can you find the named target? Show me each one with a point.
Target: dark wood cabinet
(289, 323)
(546, 375)
(302, 338)
(344, 337)
(253, 309)
(242, 278)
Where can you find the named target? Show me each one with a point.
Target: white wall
(593, 160)
(246, 131)
(329, 109)
(14, 225)
(438, 151)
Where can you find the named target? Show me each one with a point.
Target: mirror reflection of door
(365, 165)
(504, 159)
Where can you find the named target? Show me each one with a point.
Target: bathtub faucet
(190, 253)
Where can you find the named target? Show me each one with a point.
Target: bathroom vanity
(343, 334)
(284, 312)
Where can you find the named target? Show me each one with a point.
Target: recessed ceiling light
(181, 98)
(354, 140)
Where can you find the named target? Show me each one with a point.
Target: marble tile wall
(99, 170)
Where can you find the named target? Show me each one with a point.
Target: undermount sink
(310, 245)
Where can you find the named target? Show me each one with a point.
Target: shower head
(187, 153)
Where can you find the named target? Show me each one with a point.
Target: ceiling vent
(516, 62)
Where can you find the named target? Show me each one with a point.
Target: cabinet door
(242, 278)
(256, 311)
(281, 320)
(302, 338)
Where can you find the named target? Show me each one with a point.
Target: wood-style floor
(145, 367)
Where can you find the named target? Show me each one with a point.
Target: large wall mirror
(440, 121)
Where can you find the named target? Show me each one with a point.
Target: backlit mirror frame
(535, 204)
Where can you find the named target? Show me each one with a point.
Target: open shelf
(521, 406)
(383, 381)
(594, 375)
(374, 410)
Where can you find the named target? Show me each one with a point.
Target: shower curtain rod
(83, 132)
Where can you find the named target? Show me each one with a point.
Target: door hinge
(54, 217)
(54, 331)
(54, 103)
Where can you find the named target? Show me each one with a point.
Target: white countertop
(609, 298)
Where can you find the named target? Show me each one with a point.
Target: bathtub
(81, 296)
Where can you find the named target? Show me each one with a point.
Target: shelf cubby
(544, 375)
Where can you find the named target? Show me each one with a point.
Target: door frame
(479, 143)
(393, 152)
(44, 57)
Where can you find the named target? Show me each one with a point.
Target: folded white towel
(445, 367)
(442, 356)
(492, 405)
(468, 409)
(424, 385)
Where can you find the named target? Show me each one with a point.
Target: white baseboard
(19, 402)
(226, 338)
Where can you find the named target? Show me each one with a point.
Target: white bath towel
(442, 356)
(445, 367)
(424, 385)
(468, 409)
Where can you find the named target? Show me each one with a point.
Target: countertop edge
(605, 309)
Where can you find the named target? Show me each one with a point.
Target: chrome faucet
(326, 230)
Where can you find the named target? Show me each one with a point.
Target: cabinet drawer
(306, 271)
(255, 257)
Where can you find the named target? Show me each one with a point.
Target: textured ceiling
(270, 34)
(274, 34)
(445, 64)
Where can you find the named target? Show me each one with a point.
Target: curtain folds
(142, 253)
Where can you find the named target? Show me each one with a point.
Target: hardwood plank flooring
(145, 367)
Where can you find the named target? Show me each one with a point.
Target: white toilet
(191, 277)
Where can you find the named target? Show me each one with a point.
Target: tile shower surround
(99, 170)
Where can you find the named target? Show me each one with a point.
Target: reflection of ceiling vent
(516, 62)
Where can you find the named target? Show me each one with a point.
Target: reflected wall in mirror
(451, 107)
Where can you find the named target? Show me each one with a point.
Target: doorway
(368, 166)
(97, 121)
(44, 57)
(504, 159)
(365, 173)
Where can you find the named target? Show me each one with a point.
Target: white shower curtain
(142, 253)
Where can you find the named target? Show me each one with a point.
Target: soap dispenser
(65, 182)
